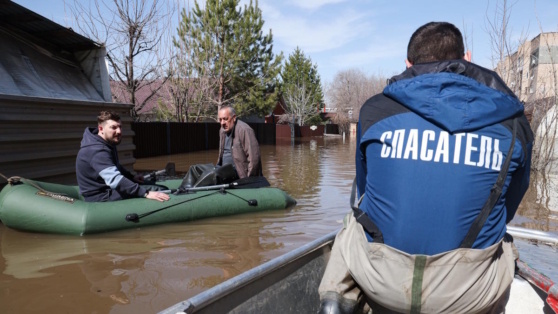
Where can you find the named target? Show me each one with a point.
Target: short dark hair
(104, 116)
(435, 41)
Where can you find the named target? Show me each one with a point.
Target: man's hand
(158, 196)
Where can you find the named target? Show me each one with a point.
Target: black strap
(495, 194)
(364, 220)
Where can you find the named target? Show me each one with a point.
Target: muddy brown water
(148, 269)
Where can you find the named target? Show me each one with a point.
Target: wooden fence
(166, 138)
(40, 137)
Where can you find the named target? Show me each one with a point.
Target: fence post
(168, 138)
(206, 136)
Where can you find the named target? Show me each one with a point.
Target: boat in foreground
(289, 283)
(54, 208)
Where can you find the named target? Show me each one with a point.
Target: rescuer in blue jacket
(100, 176)
(429, 150)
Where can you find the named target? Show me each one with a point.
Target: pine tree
(229, 48)
(301, 88)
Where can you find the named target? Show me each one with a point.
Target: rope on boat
(134, 217)
(250, 202)
(17, 179)
(11, 180)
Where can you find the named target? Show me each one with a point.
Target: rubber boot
(194, 174)
(226, 174)
(207, 178)
(333, 303)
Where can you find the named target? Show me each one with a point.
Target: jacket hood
(456, 95)
(91, 137)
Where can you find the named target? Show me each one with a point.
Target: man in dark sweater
(100, 176)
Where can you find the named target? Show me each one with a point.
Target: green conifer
(230, 48)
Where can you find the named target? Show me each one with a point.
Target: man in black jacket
(100, 176)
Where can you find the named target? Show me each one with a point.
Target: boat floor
(524, 298)
(539, 256)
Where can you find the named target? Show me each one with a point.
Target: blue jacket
(430, 148)
(99, 174)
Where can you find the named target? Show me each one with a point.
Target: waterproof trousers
(208, 174)
(392, 281)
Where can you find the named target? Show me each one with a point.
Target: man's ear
(408, 63)
(468, 56)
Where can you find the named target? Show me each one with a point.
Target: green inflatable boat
(54, 208)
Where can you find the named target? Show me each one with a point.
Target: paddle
(244, 183)
(169, 170)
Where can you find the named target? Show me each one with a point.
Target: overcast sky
(370, 35)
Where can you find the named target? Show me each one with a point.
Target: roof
(16, 18)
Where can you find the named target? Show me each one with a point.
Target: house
(149, 111)
(53, 83)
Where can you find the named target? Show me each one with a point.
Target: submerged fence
(166, 138)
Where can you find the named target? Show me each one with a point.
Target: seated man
(100, 176)
(442, 162)
(239, 154)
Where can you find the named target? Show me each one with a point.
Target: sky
(371, 35)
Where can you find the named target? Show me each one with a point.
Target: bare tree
(544, 116)
(529, 69)
(507, 56)
(187, 95)
(132, 32)
(348, 92)
(189, 87)
(299, 102)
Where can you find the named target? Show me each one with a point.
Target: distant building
(531, 73)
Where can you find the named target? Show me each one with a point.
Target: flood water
(148, 269)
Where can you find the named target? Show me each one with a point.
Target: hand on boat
(158, 196)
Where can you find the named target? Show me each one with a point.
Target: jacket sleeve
(105, 166)
(519, 184)
(220, 155)
(360, 164)
(252, 151)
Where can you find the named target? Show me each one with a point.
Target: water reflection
(146, 270)
(539, 207)
(138, 271)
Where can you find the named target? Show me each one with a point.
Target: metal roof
(20, 20)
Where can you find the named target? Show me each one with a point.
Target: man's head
(436, 41)
(227, 118)
(109, 127)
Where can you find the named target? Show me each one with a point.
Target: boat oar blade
(250, 183)
(170, 170)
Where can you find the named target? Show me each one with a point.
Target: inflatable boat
(54, 208)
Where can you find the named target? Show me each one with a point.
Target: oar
(244, 183)
(170, 170)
